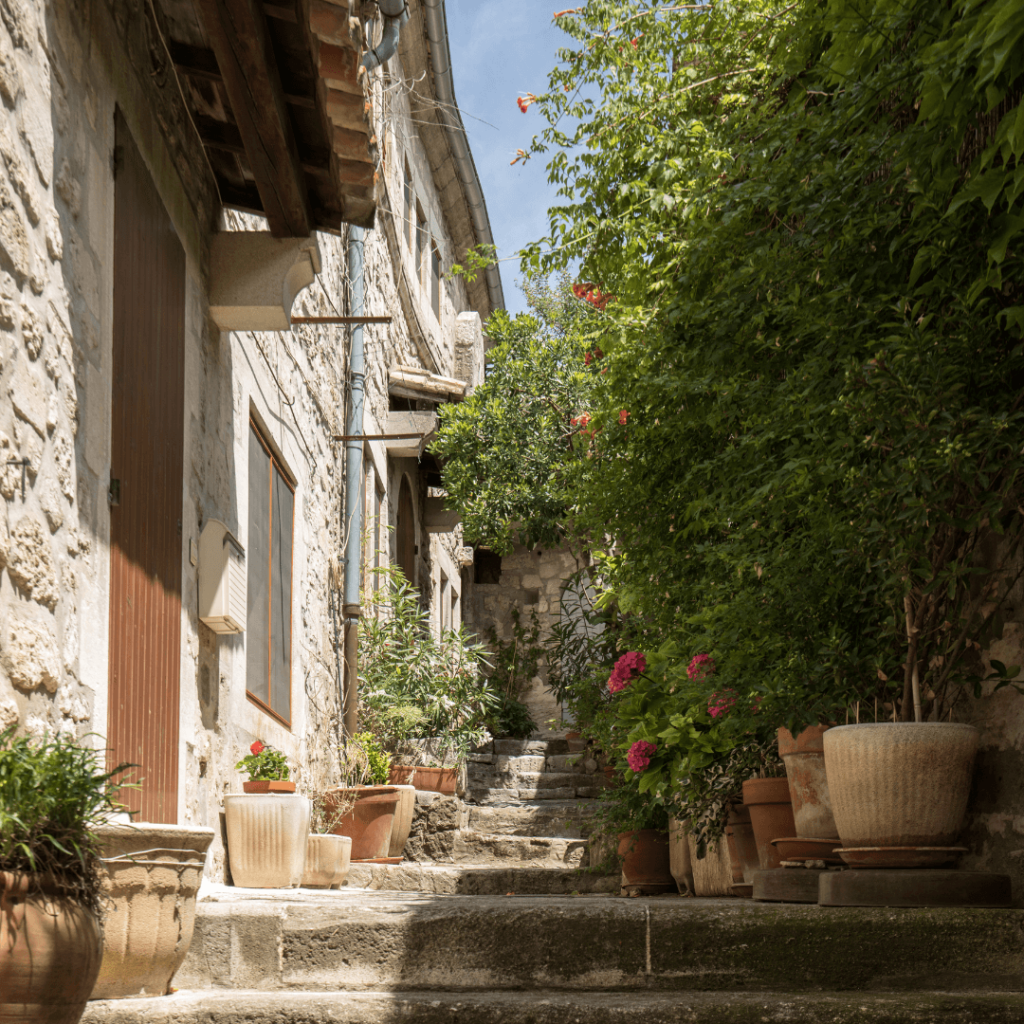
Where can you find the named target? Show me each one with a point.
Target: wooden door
(405, 532)
(146, 465)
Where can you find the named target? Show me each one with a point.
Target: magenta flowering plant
(627, 668)
(640, 754)
(722, 702)
(702, 666)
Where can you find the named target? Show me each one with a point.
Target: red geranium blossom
(623, 416)
(257, 748)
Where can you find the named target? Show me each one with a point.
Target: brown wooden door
(405, 532)
(146, 460)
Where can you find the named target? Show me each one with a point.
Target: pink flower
(257, 748)
(721, 703)
(639, 756)
(629, 665)
(701, 667)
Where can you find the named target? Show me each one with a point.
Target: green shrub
(53, 793)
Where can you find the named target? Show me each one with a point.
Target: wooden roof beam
(237, 30)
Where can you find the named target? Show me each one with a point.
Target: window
(268, 639)
(444, 604)
(421, 243)
(435, 282)
(407, 211)
(405, 533)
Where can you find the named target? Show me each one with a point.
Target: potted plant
(328, 855)
(267, 828)
(421, 692)
(53, 794)
(364, 807)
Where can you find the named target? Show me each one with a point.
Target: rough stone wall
(532, 582)
(64, 69)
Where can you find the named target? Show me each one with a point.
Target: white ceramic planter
(150, 874)
(402, 825)
(900, 784)
(327, 861)
(267, 834)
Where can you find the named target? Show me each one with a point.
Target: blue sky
(500, 51)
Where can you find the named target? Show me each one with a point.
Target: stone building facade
(101, 98)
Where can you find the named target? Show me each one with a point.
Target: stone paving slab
(547, 1007)
(474, 847)
(358, 941)
(493, 879)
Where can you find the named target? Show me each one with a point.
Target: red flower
(524, 101)
(587, 358)
(631, 664)
(701, 667)
(623, 416)
(257, 748)
(639, 756)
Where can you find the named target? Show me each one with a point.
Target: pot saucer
(379, 860)
(800, 849)
(742, 889)
(900, 856)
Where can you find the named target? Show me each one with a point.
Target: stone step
(490, 878)
(554, 1007)
(543, 745)
(354, 940)
(571, 819)
(473, 847)
(487, 795)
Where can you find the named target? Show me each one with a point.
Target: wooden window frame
(434, 257)
(408, 199)
(275, 463)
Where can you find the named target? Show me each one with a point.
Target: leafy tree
(507, 447)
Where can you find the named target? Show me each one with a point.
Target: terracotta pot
(808, 785)
(900, 783)
(50, 953)
(268, 786)
(742, 846)
(151, 875)
(771, 814)
(679, 856)
(427, 780)
(327, 861)
(403, 820)
(645, 860)
(712, 873)
(266, 838)
(369, 822)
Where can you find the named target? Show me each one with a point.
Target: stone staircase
(521, 827)
(305, 957)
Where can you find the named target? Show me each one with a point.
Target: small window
(405, 533)
(444, 604)
(407, 211)
(421, 243)
(435, 282)
(268, 638)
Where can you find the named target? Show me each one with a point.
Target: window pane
(281, 598)
(257, 666)
(435, 281)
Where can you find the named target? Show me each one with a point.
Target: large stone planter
(267, 835)
(328, 859)
(151, 874)
(712, 873)
(50, 951)
(900, 783)
(402, 825)
(679, 856)
(808, 784)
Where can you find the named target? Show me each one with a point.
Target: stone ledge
(548, 1007)
(359, 940)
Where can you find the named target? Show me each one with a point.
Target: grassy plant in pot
(364, 807)
(267, 828)
(53, 793)
(422, 693)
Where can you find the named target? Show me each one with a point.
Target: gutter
(351, 609)
(449, 117)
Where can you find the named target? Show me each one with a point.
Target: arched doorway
(405, 532)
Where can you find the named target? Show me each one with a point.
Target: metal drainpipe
(353, 485)
(395, 14)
